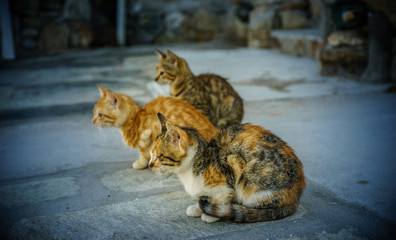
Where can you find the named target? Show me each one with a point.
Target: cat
(244, 174)
(209, 93)
(138, 125)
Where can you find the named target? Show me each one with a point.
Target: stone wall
(359, 41)
(388, 8)
(58, 25)
(175, 21)
(263, 16)
(30, 18)
(42, 26)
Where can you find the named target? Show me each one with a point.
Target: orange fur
(135, 122)
(213, 177)
(249, 136)
(288, 152)
(237, 165)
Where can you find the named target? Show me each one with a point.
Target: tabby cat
(244, 174)
(138, 125)
(209, 93)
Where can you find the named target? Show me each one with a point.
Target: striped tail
(243, 214)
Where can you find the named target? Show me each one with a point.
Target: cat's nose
(151, 165)
(93, 120)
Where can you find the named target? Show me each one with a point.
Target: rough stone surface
(37, 191)
(236, 31)
(345, 61)
(343, 55)
(203, 25)
(260, 26)
(138, 212)
(174, 27)
(129, 180)
(304, 42)
(379, 50)
(346, 38)
(54, 37)
(292, 19)
(316, 10)
(388, 7)
(175, 21)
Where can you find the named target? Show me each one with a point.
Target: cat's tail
(243, 214)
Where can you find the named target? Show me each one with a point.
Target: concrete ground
(62, 178)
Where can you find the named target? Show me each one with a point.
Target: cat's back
(215, 83)
(215, 98)
(261, 149)
(252, 140)
(181, 113)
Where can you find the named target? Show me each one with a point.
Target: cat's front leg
(209, 219)
(144, 150)
(211, 206)
(194, 211)
(141, 163)
(206, 206)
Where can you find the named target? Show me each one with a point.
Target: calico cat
(209, 93)
(244, 174)
(138, 125)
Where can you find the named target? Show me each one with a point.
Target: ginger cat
(244, 174)
(209, 93)
(138, 125)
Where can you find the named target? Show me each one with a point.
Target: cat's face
(167, 68)
(107, 111)
(170, 149)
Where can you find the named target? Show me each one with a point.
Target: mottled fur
(244, 174)
(139, 126)
(209, 93)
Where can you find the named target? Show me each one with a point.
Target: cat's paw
(139, 164)
(194, 211)
(209, 219)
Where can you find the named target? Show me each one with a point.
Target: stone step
(297, 42)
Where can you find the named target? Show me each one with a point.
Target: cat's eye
(100, 114)
(161, 73)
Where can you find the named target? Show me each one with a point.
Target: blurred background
(346, 37)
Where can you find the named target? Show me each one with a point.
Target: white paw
(140, 164)
(194, 211)
(209, 219)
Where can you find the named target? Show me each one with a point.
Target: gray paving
(62, 178)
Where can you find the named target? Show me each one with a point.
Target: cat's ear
(102, 90)
(160, 54)
(174, 133)
(112, 98)
(163, 120)
(171, 58)
(177, 136)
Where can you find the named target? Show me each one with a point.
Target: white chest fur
(194, 185)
